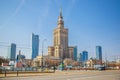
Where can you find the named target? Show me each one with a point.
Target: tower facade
(13, 51)
(35, 46)
(99, 53)
(60, 47)
(84, 56)
(80, 57)
(75, 53)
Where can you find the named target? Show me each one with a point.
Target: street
(72, 75)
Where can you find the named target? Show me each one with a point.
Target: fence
(24, 71)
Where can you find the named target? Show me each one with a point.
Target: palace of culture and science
(60, 48)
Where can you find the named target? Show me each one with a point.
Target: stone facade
(47, 61)
(60, 46)
(71, 52)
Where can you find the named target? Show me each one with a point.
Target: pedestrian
(54, 68)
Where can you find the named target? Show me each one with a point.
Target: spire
(60, 12)
(60, 20)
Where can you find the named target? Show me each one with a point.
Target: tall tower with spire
(60, 47)
(61, 39)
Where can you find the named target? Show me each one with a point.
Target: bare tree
(52, 62)
(75, 63)
(68, 62)
(3, 60)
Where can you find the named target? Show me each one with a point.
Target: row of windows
(61, 32)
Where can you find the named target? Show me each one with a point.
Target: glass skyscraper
(13, 51)
(99, 53)
(75, 53)
(35, 46)
(84, 56)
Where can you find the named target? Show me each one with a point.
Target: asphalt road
(72, 75)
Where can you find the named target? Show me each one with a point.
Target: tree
(3, 60)
(75, 63)
(68, 62)
(52, 62)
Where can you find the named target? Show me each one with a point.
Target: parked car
(101, 68)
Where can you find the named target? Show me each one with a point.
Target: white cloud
(19, 7)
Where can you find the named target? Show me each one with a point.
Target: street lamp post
(42, 53)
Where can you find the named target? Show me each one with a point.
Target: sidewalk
(57, 72)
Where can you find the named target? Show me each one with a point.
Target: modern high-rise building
(13, 52)
(35, 46)
(79, 58)
(60, 46)
(20, 56)
(84, 56)
(99, 53)
(75, 53)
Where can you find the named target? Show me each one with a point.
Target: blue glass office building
(13, 52)
(35, 46)
(99, 53)
(75, 53)
(84, 56)
(20, 56)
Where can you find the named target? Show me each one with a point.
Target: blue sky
(90, 23)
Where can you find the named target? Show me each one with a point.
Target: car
(101, 68)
